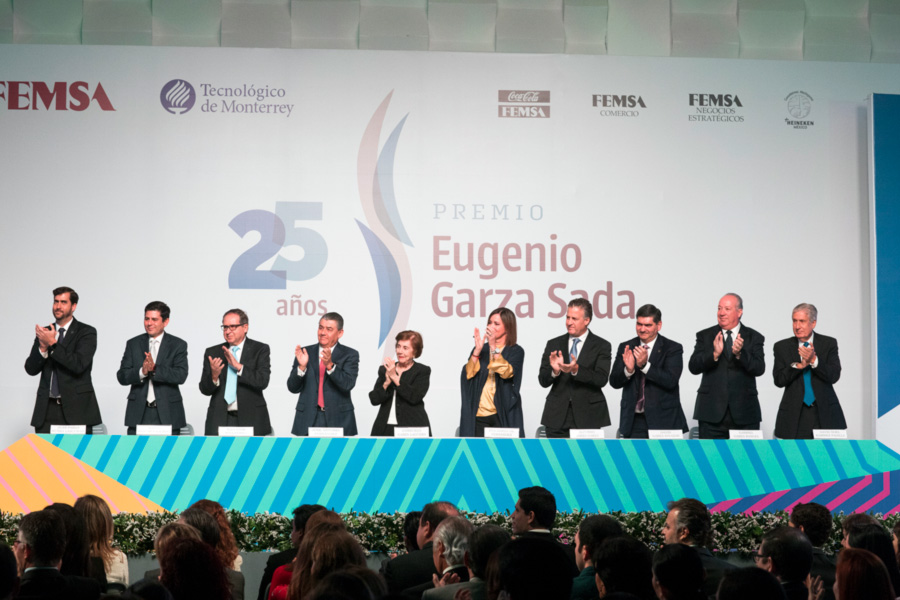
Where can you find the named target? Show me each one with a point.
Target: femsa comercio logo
(177, 96)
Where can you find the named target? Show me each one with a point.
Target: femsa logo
(59, 95)
(177, 96)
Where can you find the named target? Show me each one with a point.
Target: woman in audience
(678, 573)
(492, 377)
(356, 582)
(876, 539)
(227, 547)
(861, 575)
(333, 550)
(100, 529)
(192, 570)
(401, 387)
(320, 522)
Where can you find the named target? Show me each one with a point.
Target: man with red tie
(324, 374)
(647, 370)
(807, 366)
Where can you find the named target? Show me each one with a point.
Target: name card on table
(235, 432)
(68, 429)
(411, 432)
(155, 430)
(501, 432)
(587, 434)
(745, 434)
(829, 434)
(666, 434)
(326, 432)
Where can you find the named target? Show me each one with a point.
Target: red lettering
(78, 94)
(18, 91)
(101, 98)
(56, 97)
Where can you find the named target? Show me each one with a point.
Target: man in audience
(815, 521)
(418, 567)
(9, 573)
(449, 545)
(591, 533)
(688, 522)
(624, 565)
(39, 547)
(483, 542)
(786, 553)
(298, 525)
(532, 568)
(534, 516)
(750, 583)
(853, 521)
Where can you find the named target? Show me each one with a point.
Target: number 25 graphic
(278, 230)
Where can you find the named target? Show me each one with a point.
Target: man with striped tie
(575, 367)
(807, 366)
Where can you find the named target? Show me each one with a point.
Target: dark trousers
(55, 416)
(568, 424)
(639, 429)
(151, 417)
(809, 420)
(482, 422)
(719, 431)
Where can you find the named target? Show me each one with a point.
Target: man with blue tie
(323, 375)
(575, 367)
(807, 366)
(63, 355)
(154, 365)
(234, 376)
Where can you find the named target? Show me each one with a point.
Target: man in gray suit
(482, 544)
(154, 365)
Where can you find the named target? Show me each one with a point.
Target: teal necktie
(231, 381)
(808, 396)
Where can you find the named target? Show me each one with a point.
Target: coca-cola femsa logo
(524, 104)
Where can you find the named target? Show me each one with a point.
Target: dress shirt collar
(810, 340)
(734, 332)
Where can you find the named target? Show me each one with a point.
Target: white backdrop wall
(664, 205)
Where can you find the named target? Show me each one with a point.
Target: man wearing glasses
(234, 376)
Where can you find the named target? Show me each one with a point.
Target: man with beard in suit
(154, 365)
(647, 370)
(63, 355)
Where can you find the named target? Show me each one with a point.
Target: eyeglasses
(231, 327)
(758, 557)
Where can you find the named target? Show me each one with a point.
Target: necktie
(151, 393)
(575, 348)
(809, 397)
(231, 380)
(54, 376)
(728, 343)
(321, 385)
(640, 403)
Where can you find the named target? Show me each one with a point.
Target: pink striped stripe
(893, 510)
(765, 501)
(724, 505)
(139, 499)
(15, 496)
(28, 476)
(811, 495)
(29, 438)
(866, 481)
(884, 493)
(103, 493)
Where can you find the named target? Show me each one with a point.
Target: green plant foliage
(383, 532)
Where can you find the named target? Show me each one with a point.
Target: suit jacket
(728, 382)
(507, 399)
(477, 589)
(409, 396)
(73, 358)
(715, 570)
(252, 410)
(795, 590)
(171, 371)
(568, 549)
(584, 390)
(410, 570)
(417, 592)
(824, 566)
(662, 399)
(235, 580)
(584, 587)
(50, 584)
(335, 390)
(824, 376)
